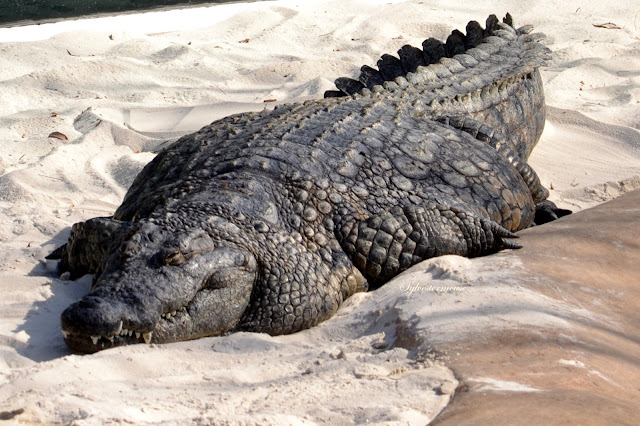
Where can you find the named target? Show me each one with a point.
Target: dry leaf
(54, 114)
(608, 26)
(58, 135)
(246, 40)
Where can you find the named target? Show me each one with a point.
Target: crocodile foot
(547, 211)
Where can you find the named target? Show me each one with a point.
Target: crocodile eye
(173, 258)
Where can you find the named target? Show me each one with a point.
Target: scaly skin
(269, 221)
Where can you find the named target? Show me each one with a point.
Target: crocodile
(267, 221)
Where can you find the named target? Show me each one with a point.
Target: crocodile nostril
(91, 316)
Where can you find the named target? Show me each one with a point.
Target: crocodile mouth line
(122, 336)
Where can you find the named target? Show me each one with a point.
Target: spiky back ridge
(464, 63)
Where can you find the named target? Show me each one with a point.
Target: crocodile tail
(463, 62)
(489, 74)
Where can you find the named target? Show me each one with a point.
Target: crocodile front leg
(88, 244)
(299, 285)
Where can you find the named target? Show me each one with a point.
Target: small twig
(608, 26)
(51, 177)
(216, 86)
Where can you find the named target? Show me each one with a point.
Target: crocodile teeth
(147, 337)
(65, 334)
(95, 339)
(124, 332)
(171, 314)
(137, 334)
(119, 329)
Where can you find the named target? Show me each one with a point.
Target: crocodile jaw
(183, 324)
(162, 305)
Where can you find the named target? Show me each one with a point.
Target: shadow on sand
(42, 322)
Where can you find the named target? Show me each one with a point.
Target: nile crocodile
(268, 221)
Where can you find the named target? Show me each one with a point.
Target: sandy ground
(117, 88)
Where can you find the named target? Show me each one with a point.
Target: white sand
(118, 87)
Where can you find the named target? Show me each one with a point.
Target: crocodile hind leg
(388, 243)
(504, 147)
(546, 211)
(88, 243)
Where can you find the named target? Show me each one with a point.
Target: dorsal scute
(468, 54)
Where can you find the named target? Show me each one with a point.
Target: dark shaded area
(23, 12)
(8, 415)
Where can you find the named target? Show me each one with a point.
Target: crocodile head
(160, 286)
